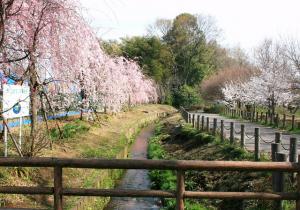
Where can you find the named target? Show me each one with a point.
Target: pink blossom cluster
(72, 69)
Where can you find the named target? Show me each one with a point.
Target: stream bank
(136, 179)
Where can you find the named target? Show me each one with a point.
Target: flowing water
(136, 179)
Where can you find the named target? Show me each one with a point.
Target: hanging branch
(52, 111)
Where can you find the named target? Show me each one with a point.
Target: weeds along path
(267, 134)
(136, 179)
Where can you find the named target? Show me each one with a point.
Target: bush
(186, 96)
(69, 130)
(215, 109)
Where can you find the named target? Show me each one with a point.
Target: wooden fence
(277, 120)
(276, 154)
(204, 125)
(59, 191)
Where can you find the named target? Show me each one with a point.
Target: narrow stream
(136, 179)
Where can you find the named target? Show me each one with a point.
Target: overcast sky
(244, 23)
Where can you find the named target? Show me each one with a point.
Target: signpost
(16, 100)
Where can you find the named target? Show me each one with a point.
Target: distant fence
(26, 121)
(277, 120)
(201, 122)
(215, 127)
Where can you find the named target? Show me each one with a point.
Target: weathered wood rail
(59, 191)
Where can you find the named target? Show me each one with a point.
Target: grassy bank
(109, 137)
(176, 140)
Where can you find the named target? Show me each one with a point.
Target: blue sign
(17, 108)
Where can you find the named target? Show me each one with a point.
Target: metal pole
(5, 140)
(20, 133)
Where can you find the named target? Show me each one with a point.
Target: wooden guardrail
(58, 190)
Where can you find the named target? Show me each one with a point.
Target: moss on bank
(176, 140)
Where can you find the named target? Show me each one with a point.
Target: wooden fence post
(193, 120)
(231, 132)
(215, 126)
(207, 124)
(279, 185)
(293, 150)
(252, 116)
(222, 131)
(277, 120)
(278, 137)
(283, 121)
(198, 122)
(257, 144)
(242, 136)
(180, 191)
(275, 148)
(298, 186)
(58, 198)
(202, 123)
(293, 122)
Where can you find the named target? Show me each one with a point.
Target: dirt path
(136, 179)
(267, 134)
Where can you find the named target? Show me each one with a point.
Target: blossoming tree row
(276, 80)
(49, 45)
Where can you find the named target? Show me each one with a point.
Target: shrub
(186, 96)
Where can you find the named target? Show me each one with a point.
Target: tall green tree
(193, 56)
(154, 57)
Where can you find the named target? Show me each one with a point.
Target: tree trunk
(33, 102)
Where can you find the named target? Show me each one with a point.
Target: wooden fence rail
(59, 191)
(277, 156)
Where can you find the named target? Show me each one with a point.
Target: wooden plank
(241, 195)
(151, 164)
(58, 188)
(118, 193)
(27, 190)
(180, 190)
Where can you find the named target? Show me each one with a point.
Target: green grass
(166, 179)
(69, 130)
(208, 181)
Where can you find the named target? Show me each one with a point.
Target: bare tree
(160, 27)
(208, 25)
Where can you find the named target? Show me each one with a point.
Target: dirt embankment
(109, 138)
(179, 141)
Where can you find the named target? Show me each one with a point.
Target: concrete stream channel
(136, 179)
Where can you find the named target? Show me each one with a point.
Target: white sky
(244, 23)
